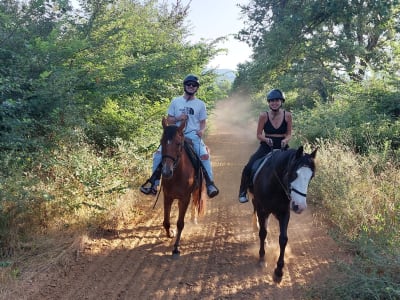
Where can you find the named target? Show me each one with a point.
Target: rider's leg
(244, 184)
(212, 190)
(246, 173)
(150, 186)
(201, 150)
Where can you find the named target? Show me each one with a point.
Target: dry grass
(360, 193)
(360, 197)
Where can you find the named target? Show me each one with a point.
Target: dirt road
(218, 255)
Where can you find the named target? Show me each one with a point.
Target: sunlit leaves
(322, 41)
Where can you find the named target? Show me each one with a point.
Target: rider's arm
(288, 135)
(260, 127)
(202, 128)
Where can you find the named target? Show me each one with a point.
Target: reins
(286, 190)
(158, 195)
(284, 187)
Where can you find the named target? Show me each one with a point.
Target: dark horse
(280, 185)
(181, 180)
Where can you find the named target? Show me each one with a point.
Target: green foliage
(82, 94)
(358, 197)
(312, 45)
(363, 116)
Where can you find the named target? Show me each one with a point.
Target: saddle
(258, 164)
(194, 158)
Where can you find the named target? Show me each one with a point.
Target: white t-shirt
(195, 109)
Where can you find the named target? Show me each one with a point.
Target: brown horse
(181, 180)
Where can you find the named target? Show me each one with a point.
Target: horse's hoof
(262, 263)
(278, 274)
(176, 254)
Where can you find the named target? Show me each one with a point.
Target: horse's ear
(164, 122)
(183, 125)
(314, 153)
(299, 152)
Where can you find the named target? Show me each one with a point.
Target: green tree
(134, 62)
(310, 44)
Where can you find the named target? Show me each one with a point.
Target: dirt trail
(218, 255)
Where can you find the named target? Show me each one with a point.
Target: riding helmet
(191, 78)
(276, 94)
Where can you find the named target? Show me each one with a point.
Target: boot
(150, 187)
(243, 197)
(243, 187)
(212, 190)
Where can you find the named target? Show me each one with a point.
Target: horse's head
(171, 147)
(301, 171)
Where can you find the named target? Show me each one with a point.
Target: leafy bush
(72, 186)
(359, 197)
(363, 117)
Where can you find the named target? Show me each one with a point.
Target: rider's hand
(284, 144)
(182, 117)
(200, 132)
(269, 142)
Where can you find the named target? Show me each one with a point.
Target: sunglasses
(192, 84)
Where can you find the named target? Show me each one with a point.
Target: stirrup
(152, 189)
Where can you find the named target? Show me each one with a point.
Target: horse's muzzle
(296, 208)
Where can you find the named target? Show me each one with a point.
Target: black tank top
(270, 129)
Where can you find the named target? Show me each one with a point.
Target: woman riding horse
(277, 125)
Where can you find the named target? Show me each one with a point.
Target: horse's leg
(256, 227)
(262, 233)
(167, 212)
(194, 212)
(180, 224)
(283, 239)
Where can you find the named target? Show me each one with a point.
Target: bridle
(288, 187)
(297, 192)
(175, 160)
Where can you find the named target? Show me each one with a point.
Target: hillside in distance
(225, 74)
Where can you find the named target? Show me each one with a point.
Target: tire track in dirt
(219, 255)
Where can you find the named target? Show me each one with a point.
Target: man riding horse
(193, 110)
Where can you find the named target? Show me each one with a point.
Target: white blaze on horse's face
(298, 189)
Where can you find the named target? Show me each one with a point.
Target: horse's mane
(284, 162)
(169, 132)
(290, 156)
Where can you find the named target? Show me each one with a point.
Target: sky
(211, 19)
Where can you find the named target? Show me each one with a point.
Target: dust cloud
(236, 116)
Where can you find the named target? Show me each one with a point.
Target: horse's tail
(200, 200)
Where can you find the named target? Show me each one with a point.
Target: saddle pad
(192, 155)
(259, 163)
